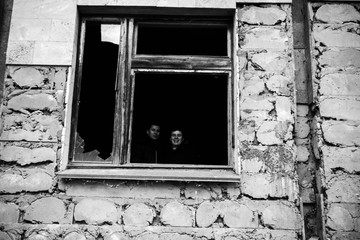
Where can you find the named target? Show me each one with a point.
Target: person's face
(176, 138)
(153, 132)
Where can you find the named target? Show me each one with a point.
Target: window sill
(190, 175)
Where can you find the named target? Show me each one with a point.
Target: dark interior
(97, 97)
(195, 102)
(182, 40)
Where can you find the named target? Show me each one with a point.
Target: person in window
(147, 149)
(179, 151)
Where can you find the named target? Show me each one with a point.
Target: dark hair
(177, 128)
(153, 123)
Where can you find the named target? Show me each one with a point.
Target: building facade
(268, 91)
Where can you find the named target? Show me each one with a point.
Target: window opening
(196, 103)
(95, 122)
(130, 76)
(181, 39)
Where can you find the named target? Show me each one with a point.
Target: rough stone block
(283, 107)
(206, 214)
(28, 77)
(74, 236)
(262, 16)
(138, 214)
(339, 218)
(265, 38)
(177, 215)
(302, 154)
(345, 235)
(279, 84)
(279, 159)
(302, 110)
(340, 84)
(263, 186)
(342, 58)
(347, 159)
(302, 128)
(255, 115)
(341, 133)
(274, 132)
(255, 102)
(272, 159)
(279, 215)
(46, 210)
(247, 131)
(337, 13)
(343, 189)
(253, 86)
(25, 156)
(34, 127)
(337, 38)
(35, 182)
(340, 108)
(9, 213)
(237, 215)
(59, 78)
(96, 211)
(5, 236)
(271, 61)
(32, 102)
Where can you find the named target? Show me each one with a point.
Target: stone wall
(35, 204)
(336, 132)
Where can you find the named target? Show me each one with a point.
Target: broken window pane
(95, 124)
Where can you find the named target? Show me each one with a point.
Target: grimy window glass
(182, 39)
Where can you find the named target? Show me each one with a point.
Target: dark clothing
(146, 150)
(184, 154)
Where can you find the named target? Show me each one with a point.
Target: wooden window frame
(129, 63)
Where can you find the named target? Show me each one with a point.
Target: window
(174, 70)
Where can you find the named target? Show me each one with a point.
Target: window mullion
(119, 121)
